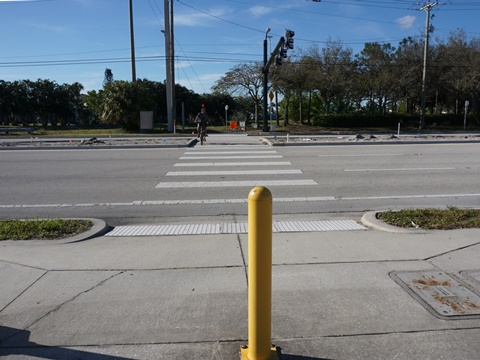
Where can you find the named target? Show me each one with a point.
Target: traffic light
(278, 59)
(289, 34)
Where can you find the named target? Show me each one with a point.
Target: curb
(370, 220)
(267, 142)
(100, 147)
(99, 228)
(353, 143)
(59, 146)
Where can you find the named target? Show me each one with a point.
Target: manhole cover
(440, 293)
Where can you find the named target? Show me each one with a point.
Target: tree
(215, 105)
(283, 80)
(375, 64)
(244, 79)
(124, 100)
(108, 78)
(331, 73)
(407, 74)
(459, 58)
(94, 103)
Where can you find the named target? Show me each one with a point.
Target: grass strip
(49, 229)
(433, 219)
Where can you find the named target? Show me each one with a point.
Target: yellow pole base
(274, 354)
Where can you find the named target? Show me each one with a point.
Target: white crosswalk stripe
(251, 163)
(249, 183)
(226, 156)
(228, 152)
(233, 172)
(255, 156)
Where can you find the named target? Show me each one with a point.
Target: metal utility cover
(440, 293)
(473, 274)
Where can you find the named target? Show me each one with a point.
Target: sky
(69, 41)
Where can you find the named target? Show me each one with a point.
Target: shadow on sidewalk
(300, 357)
(23, 346)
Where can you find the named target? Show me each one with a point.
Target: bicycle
(202, 134)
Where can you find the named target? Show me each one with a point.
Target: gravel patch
(96, 142)
(367, 138)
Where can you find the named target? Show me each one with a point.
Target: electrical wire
(180, 46)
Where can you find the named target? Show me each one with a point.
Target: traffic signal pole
(266, 66)
(265, 85)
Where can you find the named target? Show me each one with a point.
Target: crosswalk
(198, 160)
(269, 169)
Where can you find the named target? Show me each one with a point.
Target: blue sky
(76, 40)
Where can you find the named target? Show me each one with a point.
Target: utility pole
(427, 8)
(170, 63)
(132, 43)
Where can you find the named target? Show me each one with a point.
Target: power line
(176, 41)
(221, 19)
(312, 12)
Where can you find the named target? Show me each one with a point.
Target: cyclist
(202, 120)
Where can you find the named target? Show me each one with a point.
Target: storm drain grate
(234, 228)
(444, 295)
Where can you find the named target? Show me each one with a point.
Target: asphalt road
(128, 186)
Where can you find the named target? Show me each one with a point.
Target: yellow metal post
(259, 276)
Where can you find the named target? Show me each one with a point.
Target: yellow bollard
(259, 277)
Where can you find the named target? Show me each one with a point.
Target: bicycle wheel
(202, 135)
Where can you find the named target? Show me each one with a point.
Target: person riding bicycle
(202, 120)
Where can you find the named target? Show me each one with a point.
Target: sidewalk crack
(451, 251)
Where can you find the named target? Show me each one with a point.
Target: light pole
(265, 81)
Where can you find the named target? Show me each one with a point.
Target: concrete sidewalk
(185, 297)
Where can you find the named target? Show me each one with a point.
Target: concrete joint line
(28, 287)
(59, 306)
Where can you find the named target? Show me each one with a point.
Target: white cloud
(406, 22)
(192, 19)
(259, 10)
(47, 27)
(200, 19)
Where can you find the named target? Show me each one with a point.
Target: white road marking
(408, 197)
(234, 172)
(266, 163)
(196, 153)
(259, 156)
(234, 201)
(229, 147)
(249, 183)
(360, 155)
(399, 169)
